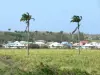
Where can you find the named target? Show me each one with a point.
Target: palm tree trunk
(79, 36)
(71, 37)
(28, 38)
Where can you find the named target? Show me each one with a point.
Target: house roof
(84, 41)
(55, 44)
(64, 43)
(89, 45)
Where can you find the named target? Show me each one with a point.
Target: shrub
(73, 72)
(52, 70)
(44, 70)
(44, 47)
(66, 47)
(1, 46)
(34, 46)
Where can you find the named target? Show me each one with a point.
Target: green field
(13, 60)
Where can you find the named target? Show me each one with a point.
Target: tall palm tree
(77, 19)
(26, 17)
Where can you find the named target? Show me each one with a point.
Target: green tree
(36, 34)
(51, 32)
(26, 17)
(47, 32)
(61, 36)
(77, 19)
(9, 29)
(15, 31)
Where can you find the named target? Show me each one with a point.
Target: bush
(43, 69)
(44, 47)
(73, 72)
(1, 46)
(34, 46)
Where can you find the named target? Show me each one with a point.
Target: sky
(51, 15)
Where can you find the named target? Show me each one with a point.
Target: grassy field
(12, 59)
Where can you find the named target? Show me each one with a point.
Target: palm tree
(77, 19)
(26, 17)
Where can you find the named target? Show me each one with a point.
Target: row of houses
(86, 44)
(23, 44)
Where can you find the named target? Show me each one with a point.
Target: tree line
(40, 35)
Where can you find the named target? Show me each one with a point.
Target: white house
(15, 44)
(89, 45)
(55, 45)
(40, 43)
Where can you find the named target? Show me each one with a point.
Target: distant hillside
(46, 35)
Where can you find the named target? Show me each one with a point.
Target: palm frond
(33, 19)
(26, 17)
(76, 18)
(81, 17)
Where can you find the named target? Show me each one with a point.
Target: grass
(88, 60)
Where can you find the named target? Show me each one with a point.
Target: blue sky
(51, 15)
